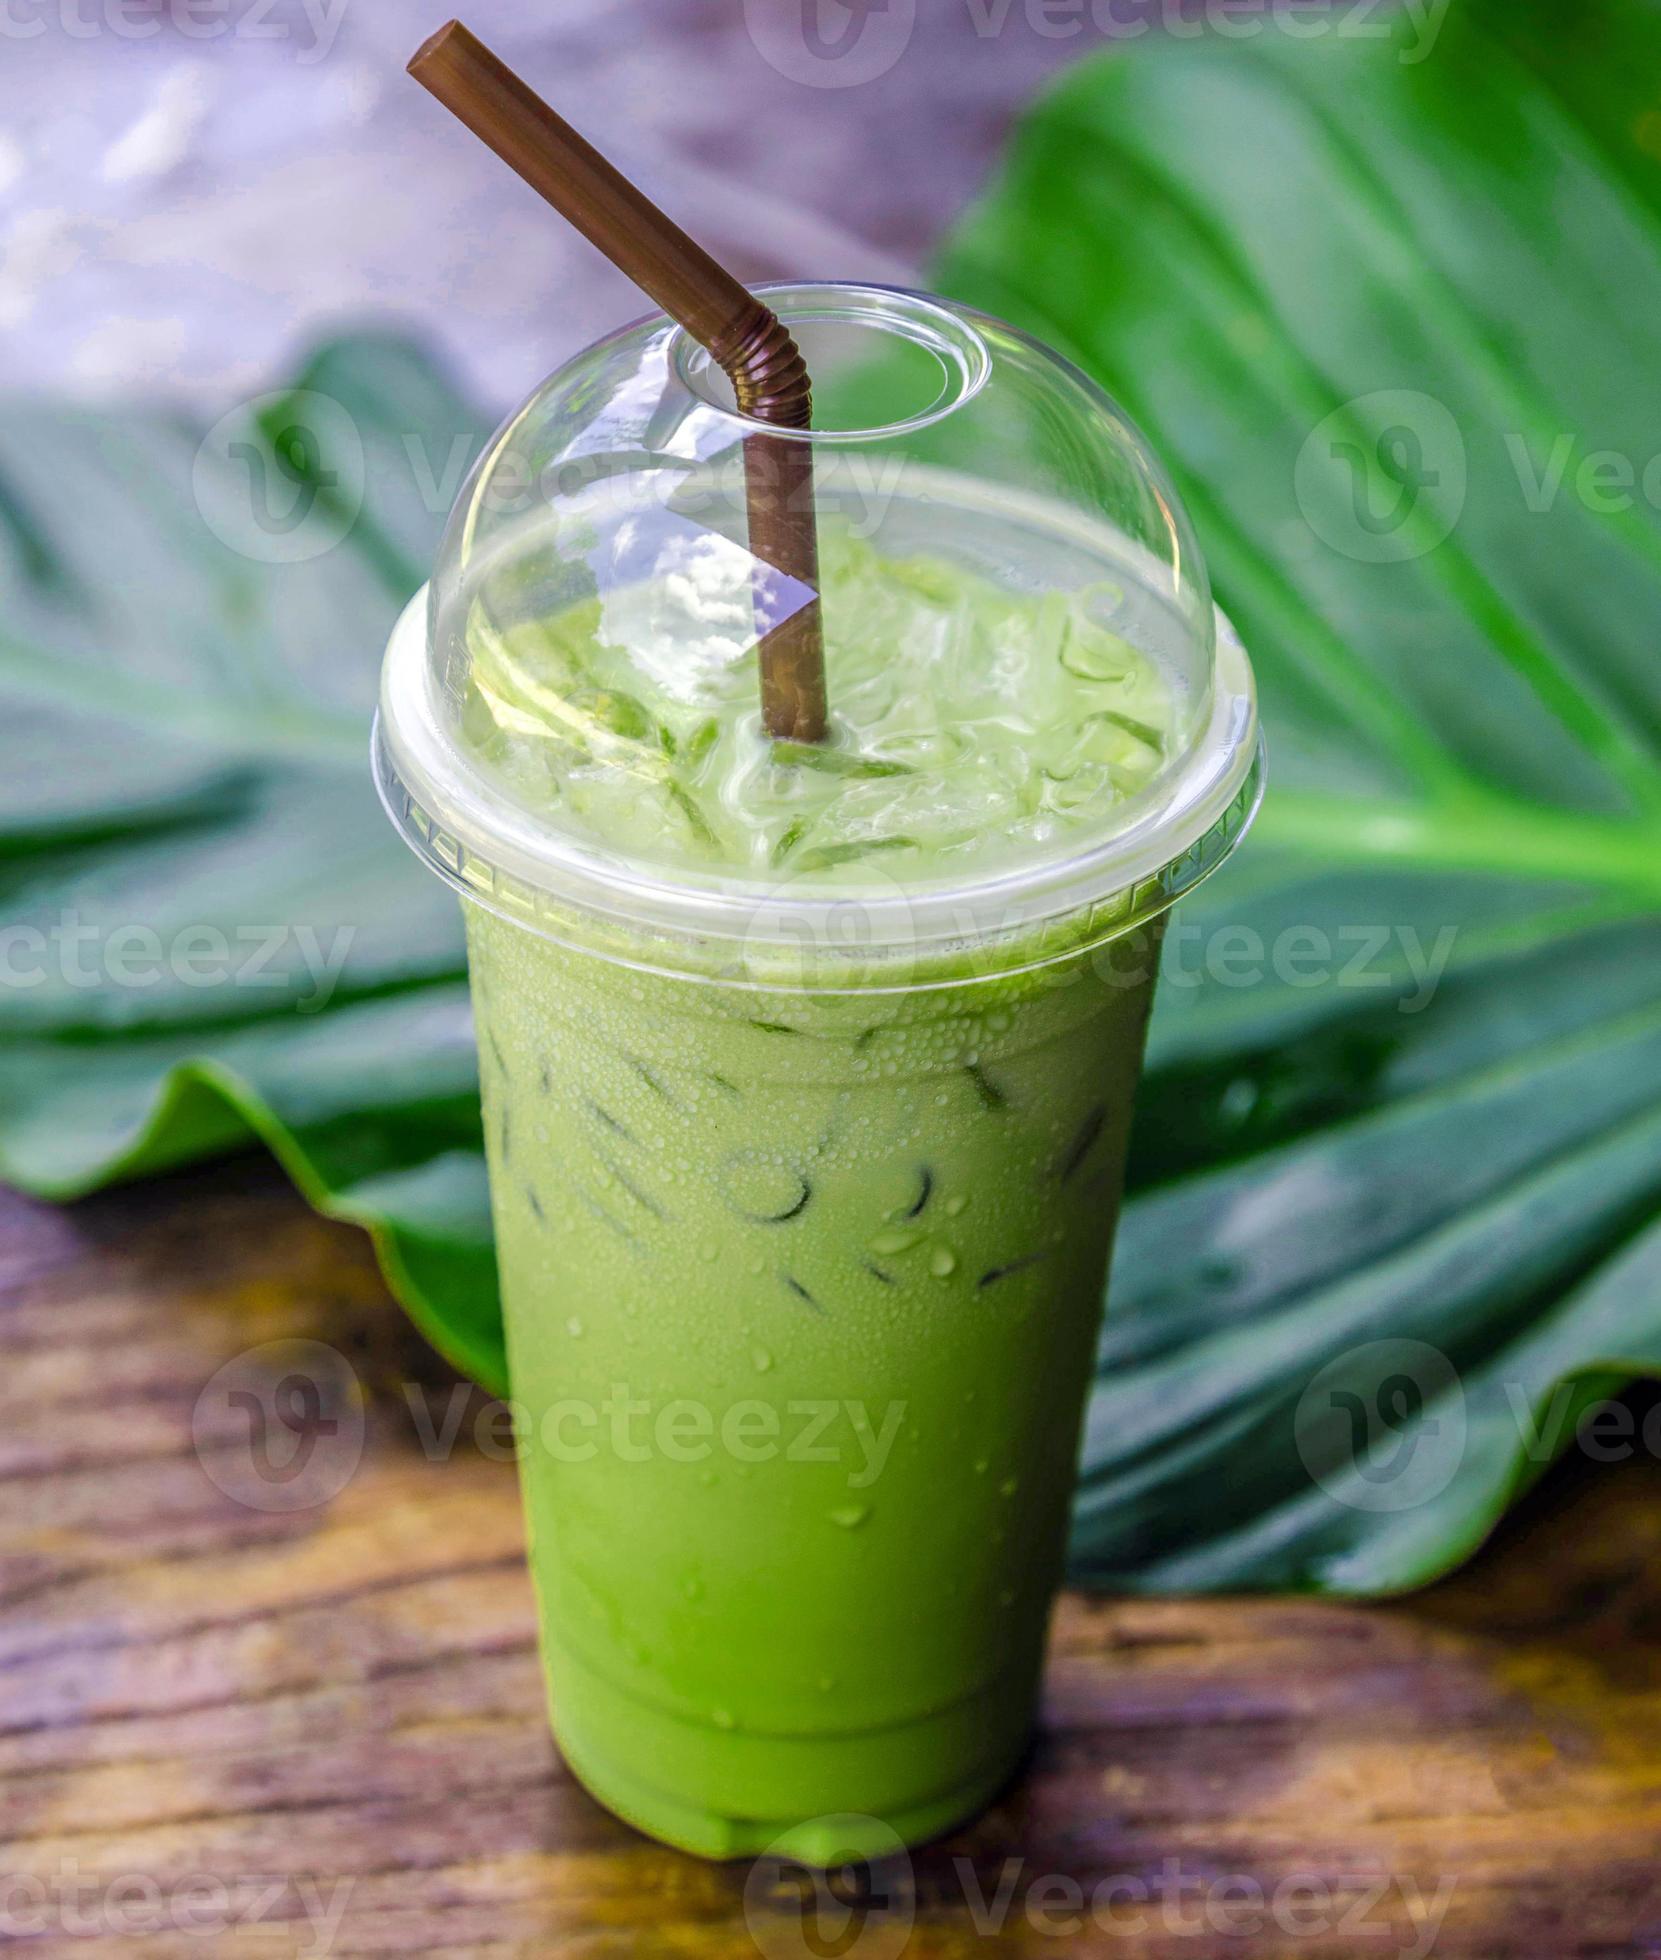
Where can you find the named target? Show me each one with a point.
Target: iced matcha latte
(807, 1082)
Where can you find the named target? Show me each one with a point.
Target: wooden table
(235, 1730)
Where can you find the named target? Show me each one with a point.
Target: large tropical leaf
(1378, 303)
(1395, 1186)
(210, 930)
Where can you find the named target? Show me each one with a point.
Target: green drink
(807, 1078)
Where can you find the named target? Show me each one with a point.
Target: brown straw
(745, 338)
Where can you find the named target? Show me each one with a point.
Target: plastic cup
(804, 1184)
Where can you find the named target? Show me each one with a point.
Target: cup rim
(464, 828)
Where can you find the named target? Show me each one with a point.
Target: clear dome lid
(1039, 726)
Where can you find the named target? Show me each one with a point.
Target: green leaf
(1410, 1181)
(1384, 1240)
(185, 746)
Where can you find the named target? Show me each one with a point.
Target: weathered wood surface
(319, 1730)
